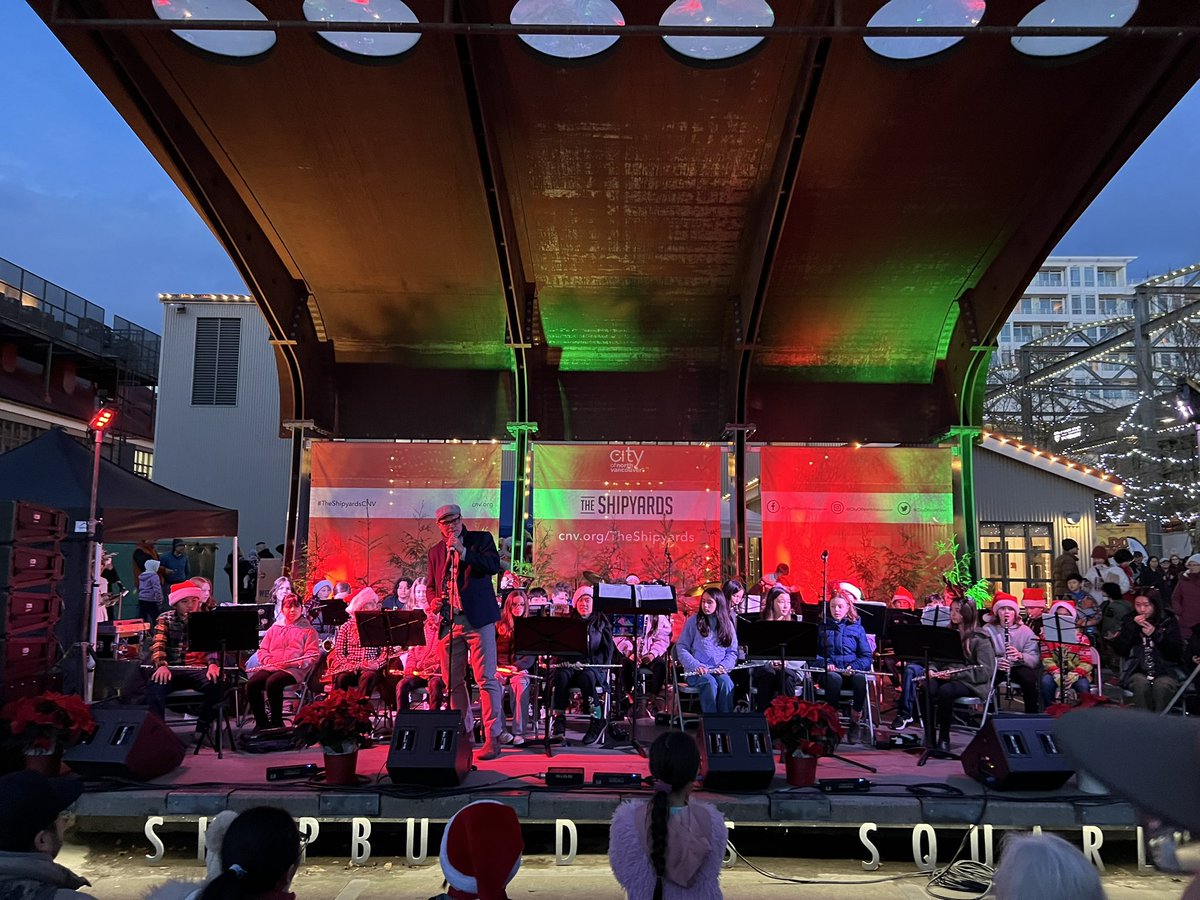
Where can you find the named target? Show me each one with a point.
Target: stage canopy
(55, 470)
(813, 237)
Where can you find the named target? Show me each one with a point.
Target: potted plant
(804, 732)
(1083, 780)
(45, 725)
(339, 722)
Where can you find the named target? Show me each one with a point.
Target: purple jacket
(1186, 603)
(695, 851)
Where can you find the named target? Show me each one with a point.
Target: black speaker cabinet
(28, 523)
(735, 752)
(128, 743)
(1017, 753)
(429, 748)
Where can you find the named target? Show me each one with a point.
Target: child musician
(708, 650)
(845, 655)
(288, 654)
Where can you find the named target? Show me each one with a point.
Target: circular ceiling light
(364, 43)
(716, 14)
(1072, 14)
(224, 43)
(567, 12)
(922, 14)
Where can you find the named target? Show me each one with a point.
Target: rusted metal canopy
(811, 238)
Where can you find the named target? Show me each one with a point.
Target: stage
(902, 794)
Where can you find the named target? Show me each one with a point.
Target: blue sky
(84, 204)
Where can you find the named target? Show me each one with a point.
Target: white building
(1070, 291)
(217, 432)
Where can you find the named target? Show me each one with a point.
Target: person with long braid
(670, 847)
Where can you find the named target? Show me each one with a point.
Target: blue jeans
(716, 692)
(1050, 689)
(908, 689)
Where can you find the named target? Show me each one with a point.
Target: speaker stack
(31, 567)
(1017, 753)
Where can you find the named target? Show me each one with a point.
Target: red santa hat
(364, 598)
(1035, 596)
(851, 590)
(1063, 608)
(903, 593)
(183, 590)
(481, 849)
(1002, 600)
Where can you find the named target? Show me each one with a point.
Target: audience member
(150, 592)
(1044, 865)
(33, 817)
(1153, 648)
(259, 857)
(1186, 600)
(670, 847)
(481, 851)
(1064, 565)
(174, 566)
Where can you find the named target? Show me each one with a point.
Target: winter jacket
(1097, 575)
(290, 648)
(1019, 636)
(1076, 659)
(844, 644)
(1185, 602)
(150, 588)
(696, 837)
(694, 650)
(654, 640)
(1064, 565)
(1166, 645)
(35, 876)
(981, 653)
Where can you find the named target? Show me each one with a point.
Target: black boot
(593, 733)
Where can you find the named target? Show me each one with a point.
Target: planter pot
(48, 764)
(801, 771)
(341, 768)
(1088, 784)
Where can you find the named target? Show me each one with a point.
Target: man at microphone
(461, 568)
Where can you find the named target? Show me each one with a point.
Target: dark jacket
(600, 643)
(844, 644)
(35, 876)
(476, 572)
(981, 652)
(1185, 602)
(1166, 643)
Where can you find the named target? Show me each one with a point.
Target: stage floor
(902, 794)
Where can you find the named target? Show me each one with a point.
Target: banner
(371, 505)
(879, 511)
(654, 511)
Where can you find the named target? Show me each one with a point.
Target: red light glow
(102, 419)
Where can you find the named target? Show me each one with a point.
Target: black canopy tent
(55, 470)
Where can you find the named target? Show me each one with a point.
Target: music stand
(333, 614)
(543, 637)
(635, 600)
(224, 629)
(391, 628)
(266, 615)
(920, 642)
(1060, 630)
(873, 616)
(936, 615)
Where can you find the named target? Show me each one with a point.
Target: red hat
(1002, 600)
(481, 849)
(1034, 594)
(183, 590)
(1099, 552)
(1063, 608)
(903, 593)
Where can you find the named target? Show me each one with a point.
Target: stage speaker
(736, 753)
(28, 523)
(1017, 753)
(128, 743)
(24, 565)
(429, 748)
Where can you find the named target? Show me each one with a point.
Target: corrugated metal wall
(229, 455)
(1009, 491)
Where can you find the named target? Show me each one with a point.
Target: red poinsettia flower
(47, 721)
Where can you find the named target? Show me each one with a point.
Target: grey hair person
(1044, 865)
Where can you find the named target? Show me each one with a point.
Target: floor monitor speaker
(430, 748)
(128, 743)
(1017, 753)
(736, 752)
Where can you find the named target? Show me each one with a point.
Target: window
(1076, 305)
(1026, 305)
(16, 434)
(1074, 276)
(1106, 277)
(1017, 556)
(1049, 278)
(1022, 333)
(1050, 307)
(1089, 276)
(1089, 304)
(143, 463)
(215, 365)
(1108, 306)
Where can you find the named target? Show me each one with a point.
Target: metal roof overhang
(812, 239)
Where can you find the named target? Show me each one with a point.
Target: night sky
(83, 203)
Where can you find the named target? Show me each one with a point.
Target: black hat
(31, 804)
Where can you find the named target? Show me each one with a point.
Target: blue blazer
(476, 571)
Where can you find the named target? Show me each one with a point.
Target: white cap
(1194, 559)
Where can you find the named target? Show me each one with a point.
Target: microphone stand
(825, 587)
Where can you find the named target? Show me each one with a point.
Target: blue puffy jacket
(845, 645)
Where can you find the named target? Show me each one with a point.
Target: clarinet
(1148, 657)
(1008, 669)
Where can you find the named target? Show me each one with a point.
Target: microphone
(824, 555)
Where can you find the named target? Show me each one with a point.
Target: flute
(957, 670)
(717, 670)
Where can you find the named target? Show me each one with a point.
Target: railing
(44, 308)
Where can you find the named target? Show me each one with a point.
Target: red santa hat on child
(851, 590)
(481, 849)
(903, 593)
(1063, 608)
(1002, 600)
(183, 590)
(1033, 596)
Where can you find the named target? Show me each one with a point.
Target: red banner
(879, 511)
(632, 508)
(371, 505)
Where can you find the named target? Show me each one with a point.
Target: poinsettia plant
(1086, 700)
(802, 728)
(339, 721)
(47, 722)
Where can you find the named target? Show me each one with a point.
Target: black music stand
(921, 642)
(543, 637)
(635, 600)
(332, 614)
(1060, 630)
(223, 630)
(385, 629)
(266, 615)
